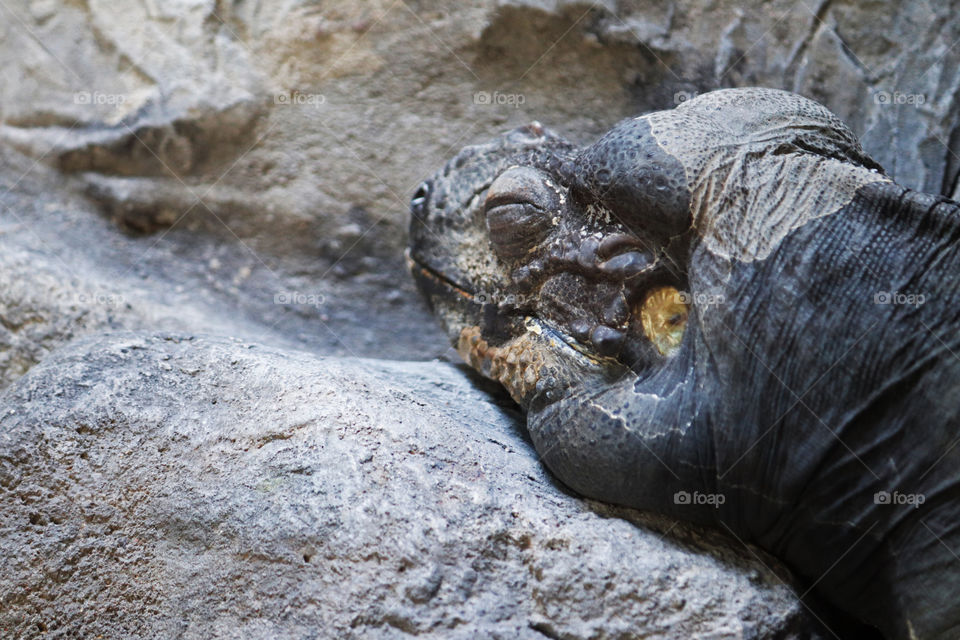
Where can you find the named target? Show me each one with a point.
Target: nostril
(418, 204)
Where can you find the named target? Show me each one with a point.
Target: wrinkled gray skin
(819, 365)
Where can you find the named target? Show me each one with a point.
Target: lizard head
(597, 245)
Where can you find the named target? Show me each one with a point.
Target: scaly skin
(803, 361)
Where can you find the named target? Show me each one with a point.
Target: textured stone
(182, 486)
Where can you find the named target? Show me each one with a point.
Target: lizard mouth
(657, 314)
(433, 279)
(661, 314)
(475, 350)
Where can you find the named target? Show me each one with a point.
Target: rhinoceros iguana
(726, 313)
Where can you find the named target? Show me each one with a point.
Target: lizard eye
(520, 207)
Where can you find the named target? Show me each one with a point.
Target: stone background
(189, 168)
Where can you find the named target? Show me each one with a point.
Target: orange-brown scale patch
(517, 365)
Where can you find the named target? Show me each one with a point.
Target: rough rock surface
(182, 486)
(243, 169)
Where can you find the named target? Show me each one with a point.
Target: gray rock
(193, 487)
(66, 271)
